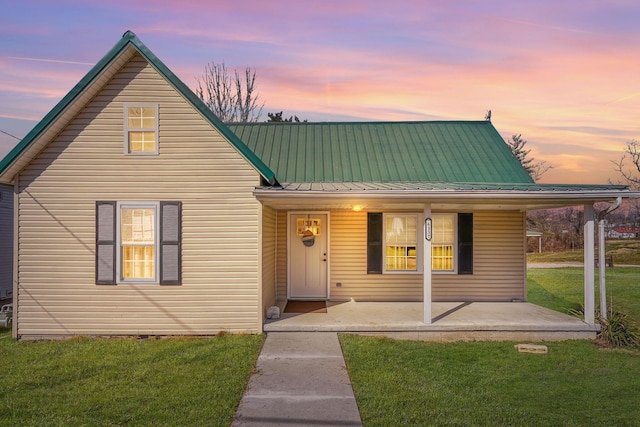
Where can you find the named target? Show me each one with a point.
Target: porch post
(589, 268)
(426, 263)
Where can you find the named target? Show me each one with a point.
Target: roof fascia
(268, 193)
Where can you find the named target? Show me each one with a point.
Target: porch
(451, 321)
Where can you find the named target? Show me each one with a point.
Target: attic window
(141, 129)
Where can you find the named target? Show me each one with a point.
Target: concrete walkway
(301, 380)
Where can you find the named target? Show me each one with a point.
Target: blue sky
(564, 74)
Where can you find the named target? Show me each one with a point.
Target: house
(140, 213)
(622, 233)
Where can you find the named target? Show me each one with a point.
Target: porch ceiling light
(357, 208)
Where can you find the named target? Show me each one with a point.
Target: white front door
(308, 251)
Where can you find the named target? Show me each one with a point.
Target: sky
(565, 74)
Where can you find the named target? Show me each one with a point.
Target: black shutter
(170, 243)
(105, 243)
(374, 243)
(465, 243)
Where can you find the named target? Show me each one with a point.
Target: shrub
(617, 330)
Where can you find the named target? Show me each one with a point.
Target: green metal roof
(130, 39)
(436, 151)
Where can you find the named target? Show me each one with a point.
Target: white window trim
(156, 250)
(419, 248)
(455, 243)
(128, 105)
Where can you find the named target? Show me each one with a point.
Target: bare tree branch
(630, 174)
(231, 99)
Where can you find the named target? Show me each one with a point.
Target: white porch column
(601, 267)
(426, 263)
(589, 268)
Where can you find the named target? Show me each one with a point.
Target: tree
(277, 117)
(231, 98)
(630, 174)
(534, 169)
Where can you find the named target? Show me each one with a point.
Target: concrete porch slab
(452, 321)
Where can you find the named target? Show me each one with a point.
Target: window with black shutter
(138, 242)
(444, 258)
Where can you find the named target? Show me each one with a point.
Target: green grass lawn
(623, 252)
(562, 289)
(490, 384)
(109, 382)
(411, 383)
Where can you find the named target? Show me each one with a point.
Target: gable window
(138, 242)
(401, 242)
(393, 245)
(141, 129)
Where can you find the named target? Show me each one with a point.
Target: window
(443, 242)
(401, 243)
(141, 129)
(392, 243)
(138, 242)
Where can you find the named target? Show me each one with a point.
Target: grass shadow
(537, 294)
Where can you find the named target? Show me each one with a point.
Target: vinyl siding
(281, 256)
(268, 258)
(85, 163)
(348, 254)
(499, 269)
(6, 239)
(499, 263)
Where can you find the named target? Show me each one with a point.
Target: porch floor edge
(451, 321)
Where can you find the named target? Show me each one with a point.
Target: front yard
(192, 381)
(490, 384)
(109, 382)
(412, 383)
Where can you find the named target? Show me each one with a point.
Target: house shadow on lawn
(536, 294)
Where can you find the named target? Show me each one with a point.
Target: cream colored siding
(499, 263)
(499, 269)
(268, 258)
(348, 253)
(6, 240)
(85, 163)
(281, 257)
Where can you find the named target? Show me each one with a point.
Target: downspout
(602, 263)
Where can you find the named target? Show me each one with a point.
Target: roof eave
(550, 198)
